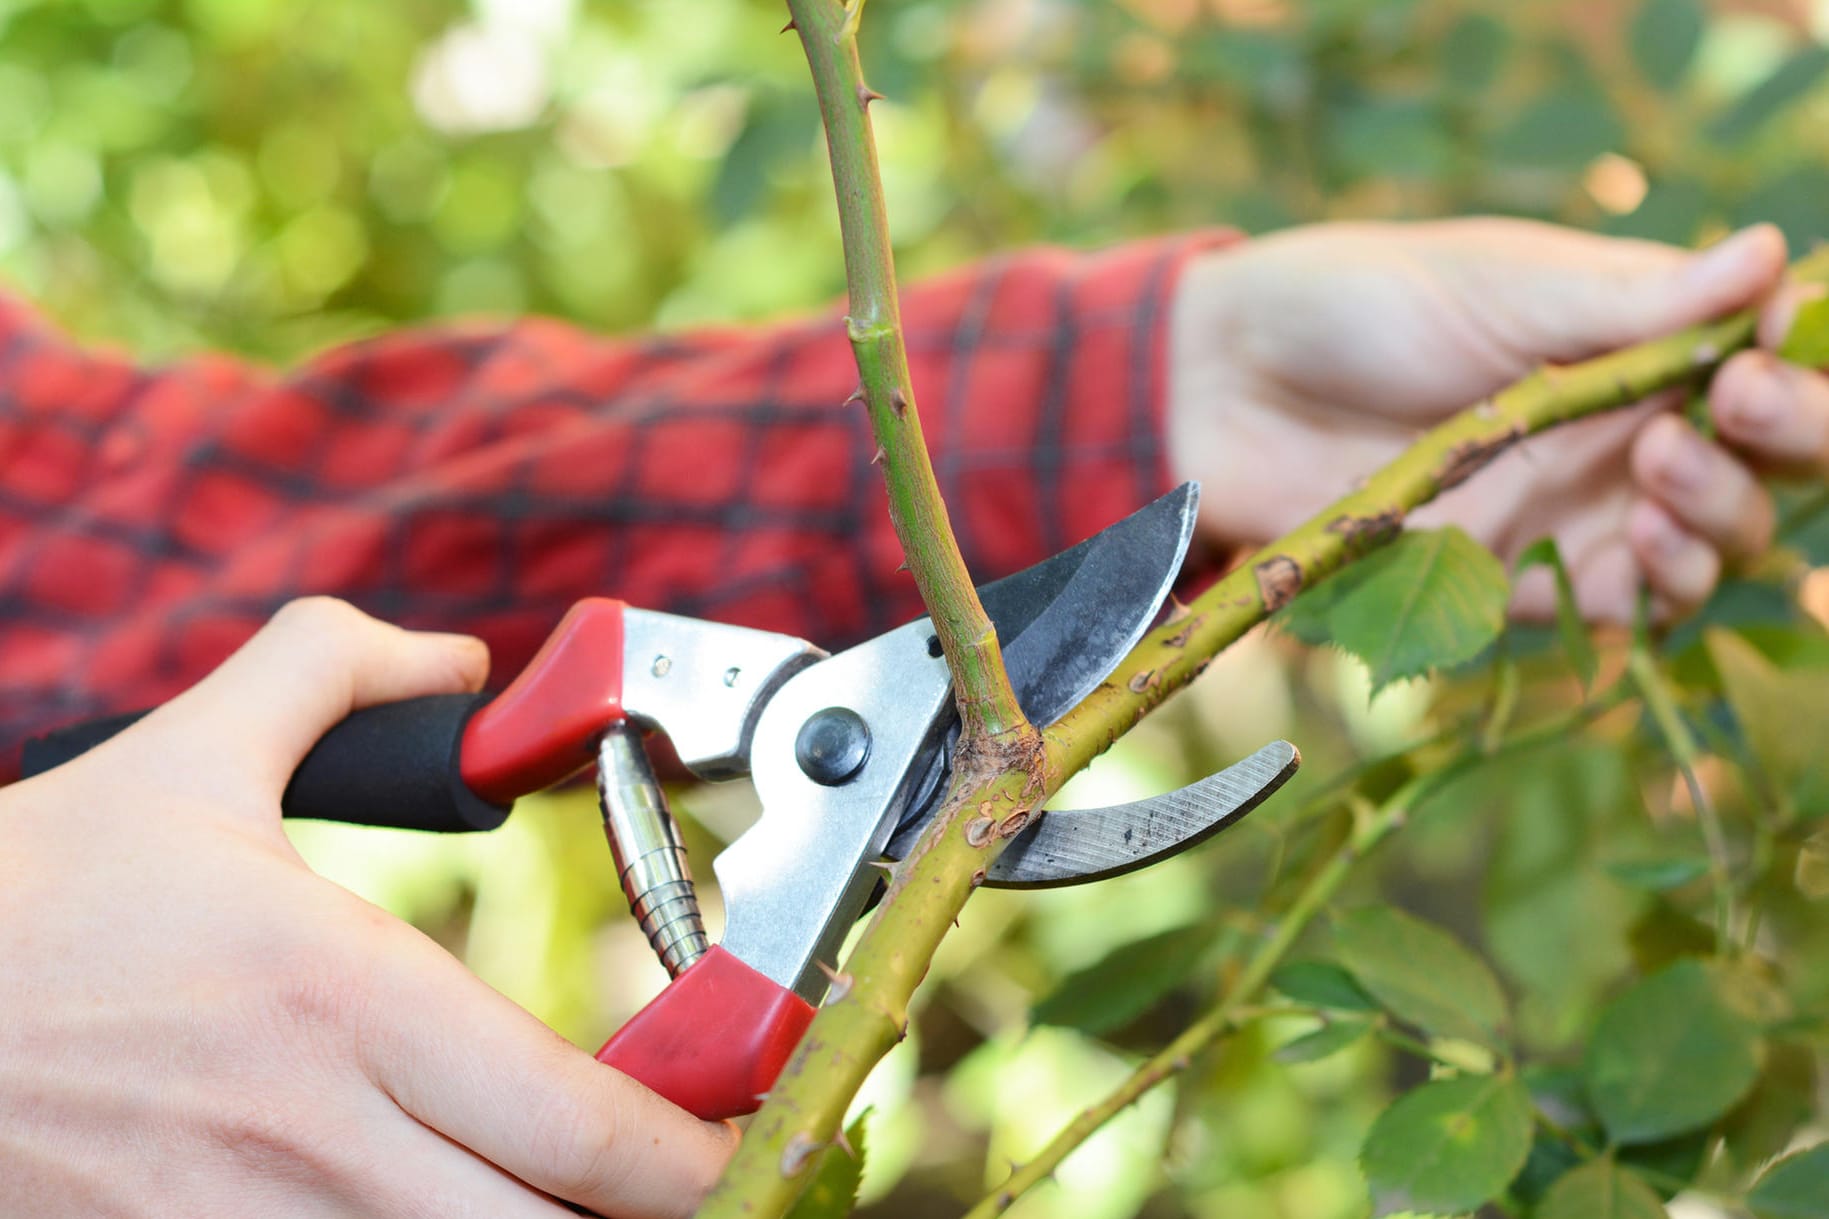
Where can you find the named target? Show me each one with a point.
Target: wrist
(1207, 370)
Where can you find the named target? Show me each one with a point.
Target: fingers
(507, 1087)
(1780, 311)
(1775, 412)
(1731, 274)
(1680, 567)
(1564, 295)
(1701, 488)
(263, 709)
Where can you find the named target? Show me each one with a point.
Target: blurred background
(269, 176)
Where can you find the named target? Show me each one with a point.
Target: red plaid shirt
(482, 478)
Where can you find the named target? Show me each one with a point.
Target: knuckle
(308, 990)
(273, 1139)
(588, 1140)
(327, 623)
(316, 612)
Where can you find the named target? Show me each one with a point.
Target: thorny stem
(1370, 831)
(1004, 770)
(987, 703)
(998, 765)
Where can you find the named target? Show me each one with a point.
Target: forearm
(482, 480)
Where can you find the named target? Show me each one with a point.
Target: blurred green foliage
(268, 176)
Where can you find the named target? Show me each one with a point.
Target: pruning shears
(849, 753)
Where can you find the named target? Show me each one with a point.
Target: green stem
(987, 703)
(1660, 701)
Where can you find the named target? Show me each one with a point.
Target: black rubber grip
(395, 765)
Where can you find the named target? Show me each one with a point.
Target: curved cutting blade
(1066, 622)
(1071, 847)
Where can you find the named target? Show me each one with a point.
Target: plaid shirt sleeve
(481, 479)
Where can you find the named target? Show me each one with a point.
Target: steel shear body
(848, 754)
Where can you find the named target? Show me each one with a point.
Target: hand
(1304, 361)
(194, 1023)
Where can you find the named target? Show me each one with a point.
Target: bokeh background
(269, 176)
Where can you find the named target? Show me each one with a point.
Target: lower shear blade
(1080, 845)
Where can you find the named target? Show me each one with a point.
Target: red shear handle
(545, 725)
(714, 1041)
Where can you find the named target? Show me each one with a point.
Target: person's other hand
(194, 1023)
(1304, 361)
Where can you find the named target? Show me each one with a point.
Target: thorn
(897, 398)
(977, 878)
(840, 983)
(978, 830)
(844, 1140)
(789, 26)
(876, 458)
(866, 95)
(857, 395)
(902, 566)
(888, 868)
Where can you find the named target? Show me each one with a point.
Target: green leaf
(1325, 1041)
(1119, 987)
(833, 1193)
(1669, 1056)
(1790, 82)
(1672, 211)
(1563, 129)
(1422, 975)
(1473, 51)
(1600, 1189)
(1664, 37)
(1811, 876)
(1658, 875)
(1764, 1124)
(1769, 705)
(1431, 598)
(1797, 1187)
(1796, 200)
(1388, 138)
(1448, 1146)
(1575, 641)
(777, 129)
(1323, 984)
(1808, 341)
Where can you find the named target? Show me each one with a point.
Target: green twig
(1684, 752)
(1369, 831)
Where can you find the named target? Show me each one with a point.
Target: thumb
(256, 717)
(1584, 294)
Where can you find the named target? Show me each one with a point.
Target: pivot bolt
(832, 745)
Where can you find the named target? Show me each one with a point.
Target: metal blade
(1072, 847)
(1066, 622)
